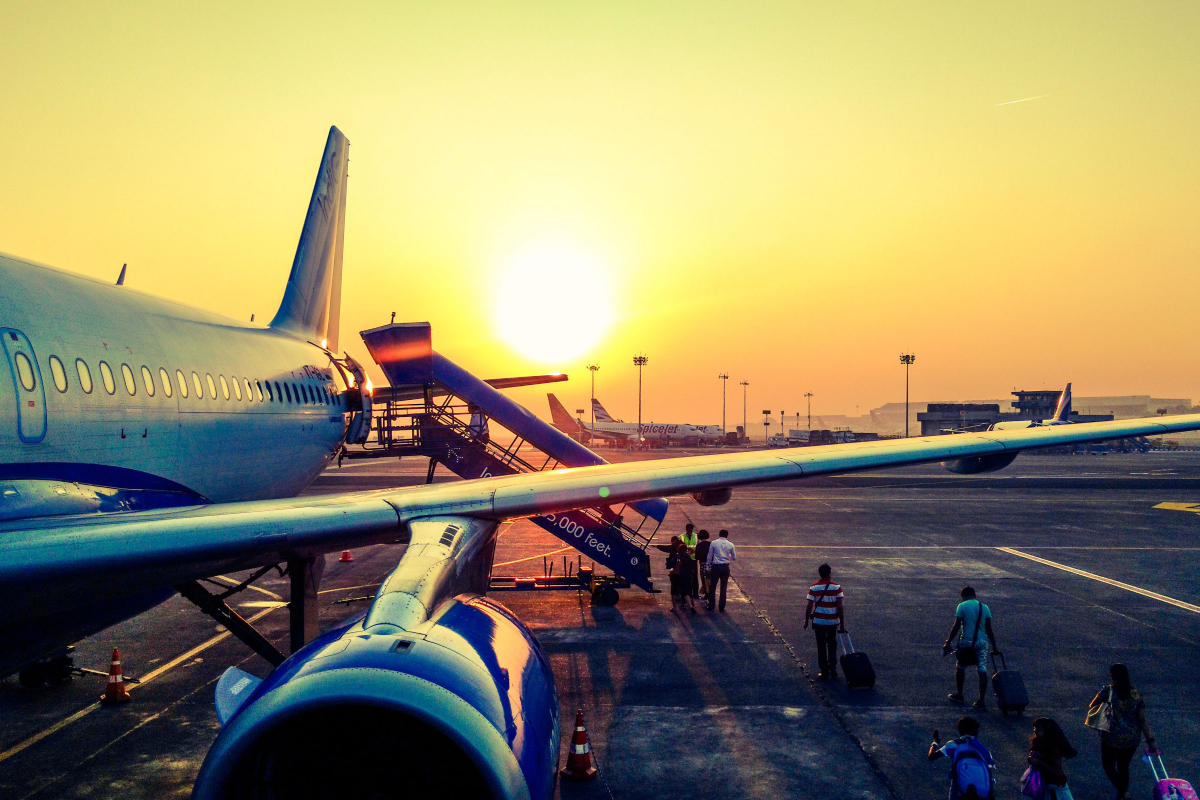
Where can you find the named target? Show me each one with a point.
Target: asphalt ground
(727, 704)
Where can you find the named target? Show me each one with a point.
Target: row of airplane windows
(305, 393)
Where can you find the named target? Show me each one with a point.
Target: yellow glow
(553, 302)
(790, 193)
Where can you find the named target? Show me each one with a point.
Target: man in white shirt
(720, 555)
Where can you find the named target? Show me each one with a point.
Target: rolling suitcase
(1009, 687)
(1165, 786)
(855, 666)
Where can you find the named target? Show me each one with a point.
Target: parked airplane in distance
(145, 445)
(622, 432)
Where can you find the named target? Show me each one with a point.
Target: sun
(553, 302)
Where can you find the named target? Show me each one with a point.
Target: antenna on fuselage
(121, 277)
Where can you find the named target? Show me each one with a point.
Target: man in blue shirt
(973, 624)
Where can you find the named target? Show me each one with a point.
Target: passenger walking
(689, 541)
(972, 768)
(720, 555)
(702, 560)
(1048, 748)
(827, 613)
(673, 569)
(1119, 714)
(973, 625)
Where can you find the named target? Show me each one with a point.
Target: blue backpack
(969, 773)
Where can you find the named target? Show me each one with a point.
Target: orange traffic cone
(346, 557)
(115, 691)
(579, 760)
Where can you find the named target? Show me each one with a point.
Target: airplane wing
(157, 548)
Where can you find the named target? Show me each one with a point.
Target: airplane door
(27, 383)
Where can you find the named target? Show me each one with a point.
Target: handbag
(1100, 716)
(965, 654)
(1032, 785)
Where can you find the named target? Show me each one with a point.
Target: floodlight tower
(639, 362)
(744, 384)
(724, 380)
(907, 360)
(809, 396)
(593, 369)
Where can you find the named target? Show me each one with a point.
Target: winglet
(1062, 412)
(558, 414)
(312, 299)
(121, 277)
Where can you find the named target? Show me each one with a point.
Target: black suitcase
(1010, 690)
(855, 666)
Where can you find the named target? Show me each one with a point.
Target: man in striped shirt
(827, 616)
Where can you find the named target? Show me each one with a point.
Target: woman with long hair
(1119, 743)
(1048, 748)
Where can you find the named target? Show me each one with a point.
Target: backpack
(969, 773)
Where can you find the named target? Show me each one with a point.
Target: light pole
(724, 380)
(766, 426)
(639, 362)
(907, 360)
(592, 433)
(781, 431)
(744, 384)
(809, 396)
(579, 419)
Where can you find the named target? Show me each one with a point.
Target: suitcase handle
(848, 647)
(1003, 663)
(1161, 766)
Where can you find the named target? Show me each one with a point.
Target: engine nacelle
(464, 706)
(713, 497)
(973, 465)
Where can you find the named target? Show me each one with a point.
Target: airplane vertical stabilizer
(601, 414)
(312, 298)
(1062, 412)
(558, 414)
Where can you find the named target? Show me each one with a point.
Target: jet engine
(973, 465)
(435, 692)
(713, 497)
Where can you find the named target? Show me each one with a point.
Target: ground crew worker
(689, 541)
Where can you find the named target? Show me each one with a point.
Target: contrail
(1035, 97)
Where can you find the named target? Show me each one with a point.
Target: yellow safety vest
(689, 541)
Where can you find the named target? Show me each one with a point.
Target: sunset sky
(791, 192)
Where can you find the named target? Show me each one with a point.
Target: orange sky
(789, 192)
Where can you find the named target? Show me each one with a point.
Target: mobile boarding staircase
(437, 410)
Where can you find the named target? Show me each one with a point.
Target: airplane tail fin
(562, 420)
(311, 306)
(1062, 412)
(601, 414)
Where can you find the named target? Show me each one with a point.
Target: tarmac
(1078, 565)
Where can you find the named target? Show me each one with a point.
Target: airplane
(622, 432)
(147, 445)
(975, 466)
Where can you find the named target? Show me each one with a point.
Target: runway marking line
(1135, 589)
(939, 547)
(1192, 507)
(58, 726)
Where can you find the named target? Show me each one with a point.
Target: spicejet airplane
(606, 427)
(146, 445)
